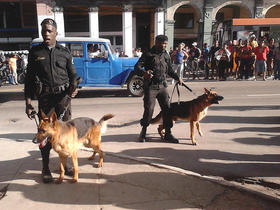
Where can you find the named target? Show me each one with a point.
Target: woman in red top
(261, 57)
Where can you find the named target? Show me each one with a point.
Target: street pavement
(124, 182)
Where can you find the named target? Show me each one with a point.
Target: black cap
(161, 38)
(49, 21)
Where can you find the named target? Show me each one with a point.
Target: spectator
(179, 57)
(230, 49)
(205, 59)
(138, 52)
(245, 59)
(252, 41)
(13, 68)
(223, 57)
(93, 51)
(261, 57)
(195, 54)
(269, 61)
(276, 56)
(213, 60)
(122, 54)
(117, 52)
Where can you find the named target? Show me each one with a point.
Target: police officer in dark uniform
(157, 64)
(50, 74)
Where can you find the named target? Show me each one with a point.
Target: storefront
(269, 27)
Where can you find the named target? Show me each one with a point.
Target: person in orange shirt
(13, 67)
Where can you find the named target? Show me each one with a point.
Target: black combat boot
(142, 135)
(169, 137)
(46, 173)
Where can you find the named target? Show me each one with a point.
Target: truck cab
(98, 65)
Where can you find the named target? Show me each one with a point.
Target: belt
(55, 90)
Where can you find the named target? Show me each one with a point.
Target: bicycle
(194, 68)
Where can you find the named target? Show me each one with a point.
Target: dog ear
(206, 91)
(53, 117)
(43, 115)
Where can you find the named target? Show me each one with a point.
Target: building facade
(131, 23)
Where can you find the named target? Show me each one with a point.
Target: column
(159, 21)
(127, 29)
(169, 32)
(207, 26)
(259, 8)
(59, 19)
(44, 10)
(93, 22)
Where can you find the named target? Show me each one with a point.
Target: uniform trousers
(151, 93)
(61, 104)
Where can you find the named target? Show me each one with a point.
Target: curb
(191, 173)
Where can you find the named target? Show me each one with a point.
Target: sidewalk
(122, 183)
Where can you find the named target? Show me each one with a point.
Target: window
(96, 50)
(184, 20)
(119, 40)
(76, 49)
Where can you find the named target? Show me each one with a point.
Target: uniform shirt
(54, 67)
(157, 61)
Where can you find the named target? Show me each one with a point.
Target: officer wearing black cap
(157, 64)
(52, 76)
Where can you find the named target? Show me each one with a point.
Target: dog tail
(156, 119)
(103, 122)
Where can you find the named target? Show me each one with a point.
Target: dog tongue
(43, 143)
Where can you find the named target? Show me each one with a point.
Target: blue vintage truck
(98, 65)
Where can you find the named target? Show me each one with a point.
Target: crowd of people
(243, 59)
(13, 64)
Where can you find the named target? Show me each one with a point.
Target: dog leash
(176, 86)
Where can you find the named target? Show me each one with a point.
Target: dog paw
(194, 143)
(58, 181)
(99, 165)
(91, 158)
(73, 181)
(200, 133)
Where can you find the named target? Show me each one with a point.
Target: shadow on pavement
(133, 190)
(243, 108)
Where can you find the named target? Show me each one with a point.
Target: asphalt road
(241, 134)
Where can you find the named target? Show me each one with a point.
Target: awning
(14, 52)
(255, 21)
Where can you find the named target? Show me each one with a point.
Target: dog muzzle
(41, 143)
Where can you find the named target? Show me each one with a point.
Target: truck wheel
(135, 86)
(21, 78)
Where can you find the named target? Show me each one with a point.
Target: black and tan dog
(190, 111)
(67, 137)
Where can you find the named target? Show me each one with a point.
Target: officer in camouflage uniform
(157, 64)
(50, 74)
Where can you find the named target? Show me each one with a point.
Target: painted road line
(264, 95)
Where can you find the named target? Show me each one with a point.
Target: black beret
(49, 21)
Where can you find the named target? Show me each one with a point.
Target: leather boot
(169, 137)
(46, 173)
(142, 135)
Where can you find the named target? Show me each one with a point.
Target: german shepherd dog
(190, 111)
(67, 137)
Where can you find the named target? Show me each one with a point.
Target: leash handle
(189, 89)
(178, 92)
